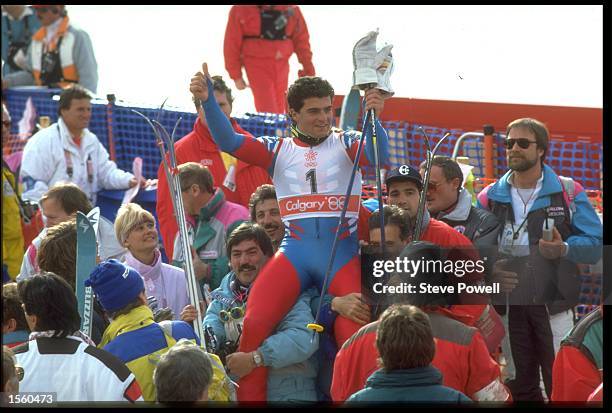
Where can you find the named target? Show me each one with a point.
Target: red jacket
(575, 377)
(198, 146)
(245, 21)
(461, 355)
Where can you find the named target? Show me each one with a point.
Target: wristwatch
(257, 359)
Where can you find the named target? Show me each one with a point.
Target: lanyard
(68, 158)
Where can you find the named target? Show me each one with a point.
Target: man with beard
(539, 276)
(311, 171)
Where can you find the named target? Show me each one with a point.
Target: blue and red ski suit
(310, 205)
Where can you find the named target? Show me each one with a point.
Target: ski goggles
(235, 313)
(522, 143)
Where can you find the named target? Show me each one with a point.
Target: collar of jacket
(462, 208)
(420, 376)
(40, 35)
(148, 272)
(500, 191)
(212, 206)
(424, 225)
(67, 140)
(138, 318)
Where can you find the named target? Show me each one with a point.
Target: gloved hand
(384, 68)
(364, 56)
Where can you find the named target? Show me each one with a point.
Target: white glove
(384, 68)
(364, 56)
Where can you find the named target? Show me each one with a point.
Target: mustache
(246, 267)
(271, 226)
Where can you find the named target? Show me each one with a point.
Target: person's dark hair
(11, 306)
(69, 94)
(450, 168)
(404, 338)
(70, 197)
(53, 301)
(57, 251)
(193, 173)
(219, 85)
(137, 302)
(183, 374)
(263, 192)
(393, 215)
(308, 87)
(538, 128)
(250, 231)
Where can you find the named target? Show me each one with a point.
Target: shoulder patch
(110, 361)
(49, 345)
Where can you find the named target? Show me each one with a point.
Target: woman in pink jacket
(135, 229)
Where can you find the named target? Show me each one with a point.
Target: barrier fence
(126, 136)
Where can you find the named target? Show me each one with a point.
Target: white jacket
(75, 371)
(44, 163)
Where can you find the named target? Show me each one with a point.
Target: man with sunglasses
(59, 54)
(540, 276)
(449, 202)
(289, 351)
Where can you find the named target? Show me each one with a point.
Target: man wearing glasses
(289, 351)
(58, 55)
(548, 226)
(449, 202)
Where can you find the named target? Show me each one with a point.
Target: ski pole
(378, 181)
(428, 164)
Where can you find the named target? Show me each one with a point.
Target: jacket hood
(421, 376)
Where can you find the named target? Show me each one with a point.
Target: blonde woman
(135, 230)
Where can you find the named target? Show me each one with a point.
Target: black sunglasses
(522, 143)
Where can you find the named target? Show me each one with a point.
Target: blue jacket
(19, 33)
(422, 384)
(585, 224)
(289, 352)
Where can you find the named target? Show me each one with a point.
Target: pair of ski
(164, 140)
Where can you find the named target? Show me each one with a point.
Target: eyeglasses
(522, 143)
(235, 313)
(433, 186)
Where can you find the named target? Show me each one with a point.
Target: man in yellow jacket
(12, 234)
(134, 337)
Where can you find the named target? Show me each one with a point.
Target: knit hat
(115, 284)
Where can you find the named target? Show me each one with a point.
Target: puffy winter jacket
(412, 385)
(289, 351)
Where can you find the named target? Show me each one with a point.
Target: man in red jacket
(461, 355)
(237, 179)
(262, 38)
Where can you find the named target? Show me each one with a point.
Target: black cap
(404, 173)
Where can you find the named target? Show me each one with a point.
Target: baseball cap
(404, 173)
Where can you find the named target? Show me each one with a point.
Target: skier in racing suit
(311, 171)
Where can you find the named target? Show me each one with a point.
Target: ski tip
(316, 327)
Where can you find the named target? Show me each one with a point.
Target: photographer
(289, 351)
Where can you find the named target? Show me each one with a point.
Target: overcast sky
(549, 55)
